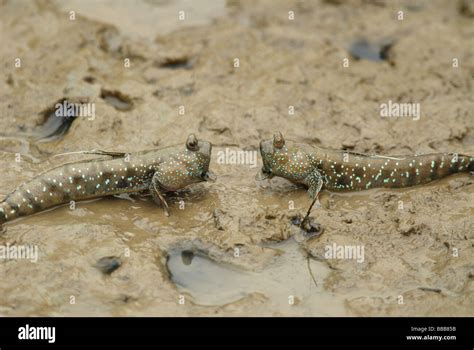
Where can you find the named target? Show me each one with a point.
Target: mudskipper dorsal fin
(94, 151)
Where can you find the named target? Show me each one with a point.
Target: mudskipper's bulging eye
(278, 140)
(192, 143)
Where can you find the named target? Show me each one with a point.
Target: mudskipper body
(157, 171)
(335, 170)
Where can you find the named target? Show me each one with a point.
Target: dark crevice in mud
(379, 3)
(89, 79)
(182, 62)
(296, 220)
(378, 52)
(10, 80)
(466, 8)
(53, 126)
(117, 100)
(125, 299)
(429, 289)
(113, 43)
(108, 264)
(309, 228)
(110, 40)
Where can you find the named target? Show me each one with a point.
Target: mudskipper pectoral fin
(315, 183)
(313, 192)
(260, 176)
(158, 196)
(210, 176)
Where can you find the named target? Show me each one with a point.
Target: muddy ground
(418, 242)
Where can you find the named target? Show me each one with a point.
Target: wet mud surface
(233, 249)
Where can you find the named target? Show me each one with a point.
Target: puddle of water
(147, 18)
(54, 127)
(210, 283)
(213, 283)
(363, 49)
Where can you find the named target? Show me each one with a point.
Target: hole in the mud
(10, 80)
(187, 257)
(309, 226)
(110, 40)
(53, 126)
(108, 264)
(296, 220)
(89, 79)
(117, 100)
(182, 62)
(363, 49)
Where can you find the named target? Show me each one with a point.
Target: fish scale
(169, 169)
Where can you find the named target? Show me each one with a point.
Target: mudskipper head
(283, 158)
(200, 153)
(187, 166)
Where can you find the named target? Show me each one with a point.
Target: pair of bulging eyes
(192, 142)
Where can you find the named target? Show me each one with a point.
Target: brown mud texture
(233, 72)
